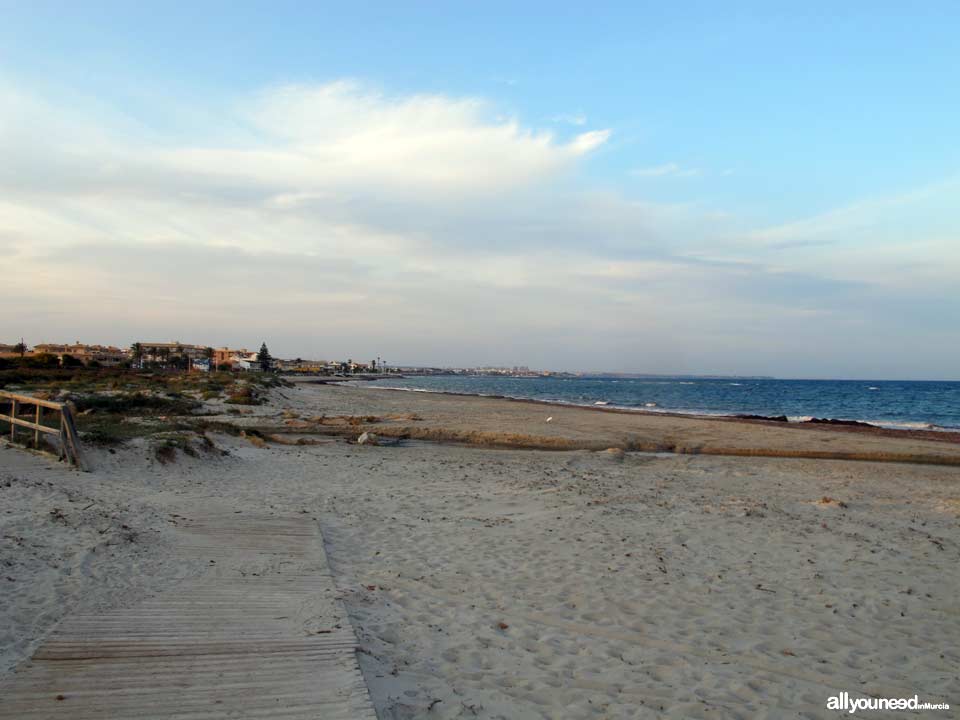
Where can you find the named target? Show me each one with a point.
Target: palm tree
(137, 351)
(20, 347)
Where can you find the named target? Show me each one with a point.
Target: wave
(907, 425)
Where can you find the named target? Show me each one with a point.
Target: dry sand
(532, 584)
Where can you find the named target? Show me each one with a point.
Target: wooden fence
(26, 411)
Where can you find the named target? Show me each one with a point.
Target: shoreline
(947, 435)
(485, 421)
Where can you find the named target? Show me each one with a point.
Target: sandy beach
(489, 577)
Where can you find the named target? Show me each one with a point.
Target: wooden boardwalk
(261, 635)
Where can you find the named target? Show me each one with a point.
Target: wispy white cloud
(908, 241)
(666, 170)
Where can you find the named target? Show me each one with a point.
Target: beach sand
(523, 423)
(518, 583)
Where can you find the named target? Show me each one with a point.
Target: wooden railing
(68, 442)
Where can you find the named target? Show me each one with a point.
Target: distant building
(105, 355)
(226, 357)
(170, 354)
(247, 361)
(300, 366)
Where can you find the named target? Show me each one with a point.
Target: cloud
(326, 141)
(906, 241)
(339, 220)
(344, 133)
(666, 170)
(589, 141)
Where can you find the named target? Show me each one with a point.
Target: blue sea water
(889, 403)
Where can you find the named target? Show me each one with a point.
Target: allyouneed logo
(844, 702)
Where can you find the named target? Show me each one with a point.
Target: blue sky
(691, 187)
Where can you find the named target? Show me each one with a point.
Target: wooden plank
(32, 425)
(275, 644)
(31, 400)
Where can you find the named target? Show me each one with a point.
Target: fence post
(66, 413)
(64, 450)
(13, 415)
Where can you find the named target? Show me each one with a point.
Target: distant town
(176, 355)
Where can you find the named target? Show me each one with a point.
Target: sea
(925, 405)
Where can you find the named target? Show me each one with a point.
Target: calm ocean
(906, 404)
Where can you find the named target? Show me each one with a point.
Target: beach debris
(254, 437)
(550, 419)
(368, 438)
(502, 625)
(827, 500)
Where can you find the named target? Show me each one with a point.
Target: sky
(720, 188)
